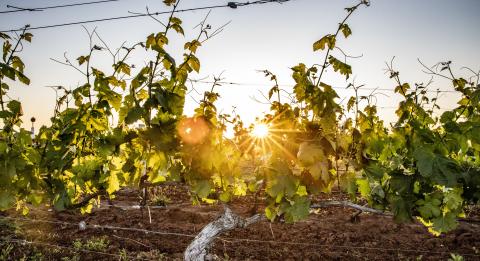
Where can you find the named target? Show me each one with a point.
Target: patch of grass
(123, 255)
(93, 244)
(455, 257)
(159, 198)
(8, 227)
(35, 255)
(152, 254)
(6, 250)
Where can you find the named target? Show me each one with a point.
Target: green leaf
(302, 191)
(167, 64)
(340, 66)
(364, 188)
(150, 41)
(192, 46)
(169, 2)
(161, 40)
(22, 78)
(271, 212)
(27, 37)
(459, 84)
(225, 196)
(113, 183)
(424, 161)
(202, 188)
(175, 20)
(453, 199)
(446, 171)
(7, 46)
(280, 180)
(15, 107)
(82, 59)
(346, 30)
(134, 115)
(4, 36)
(194, 63)
(375, 171)
(328, 40)
(309, 153)
(348, 183)
(447, 117)
(299, 209)
(7, 199)
(17, 64)
(8, 71)
(36, 198)
(402, 89)
(351, 102)
(401, 208)
(430, 207)
(178, 29)
(445, 223)
(320, 170)
(123, 67)
(61, 201)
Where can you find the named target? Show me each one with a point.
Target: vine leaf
(202, 188)
(6, 200)
(296, 209)
(328, 40)
(194, 63)
(424, 160)
(402, 89)
(430, 206)
(444, 223)
(134, 114)
(346, 30)
(340, 66)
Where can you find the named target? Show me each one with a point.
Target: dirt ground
(128, 234)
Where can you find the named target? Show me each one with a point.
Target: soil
(128, 234)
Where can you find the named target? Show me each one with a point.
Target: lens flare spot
(260, 131)
(193, 130)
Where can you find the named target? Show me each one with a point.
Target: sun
(260, 131)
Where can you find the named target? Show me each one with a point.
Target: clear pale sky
(271, 36)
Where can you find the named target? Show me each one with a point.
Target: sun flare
(260, 131)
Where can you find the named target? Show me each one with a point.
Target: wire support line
(232, 5)
(231, 240)
(292, 85)
(34, 9)
(24, 241)
(96, 226)
(342, 246)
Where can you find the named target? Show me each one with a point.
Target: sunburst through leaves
(260, 131)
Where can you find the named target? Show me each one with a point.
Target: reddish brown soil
(329, 234)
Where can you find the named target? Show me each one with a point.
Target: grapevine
(127, 128)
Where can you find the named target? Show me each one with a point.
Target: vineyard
(121, 173)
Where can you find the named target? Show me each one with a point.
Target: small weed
(158, 198)
(6, 250)
(36, 255)
(93, 244)
(76, 257)
(99, 244)
(455, 257)
(153, 254)
(123, 255)
(33, 255)
(9, 227)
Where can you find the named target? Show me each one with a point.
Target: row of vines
(425, 166)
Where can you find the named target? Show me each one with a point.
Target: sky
(270, 36)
